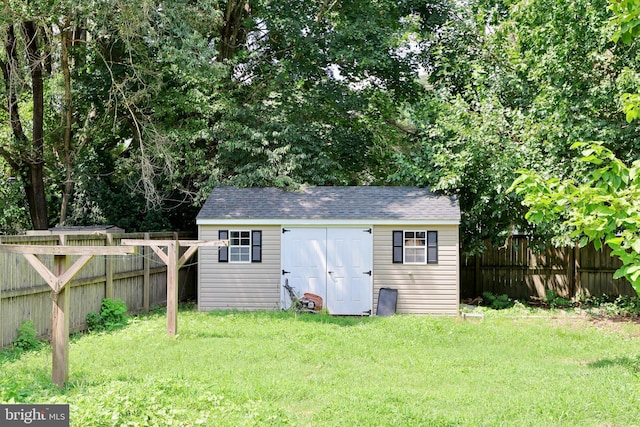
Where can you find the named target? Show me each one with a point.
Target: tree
(26, 153)
(468, 149)
(149, 104)
(318, 90)
(513, 85)
(604, 206)
(78, 80)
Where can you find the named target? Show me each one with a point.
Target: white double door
(335, 263)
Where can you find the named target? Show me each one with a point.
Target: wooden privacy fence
(139, 280)
(519, 271)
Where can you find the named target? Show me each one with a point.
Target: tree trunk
(35, 163)
(233, 34)
(29, 163)
(67, 120)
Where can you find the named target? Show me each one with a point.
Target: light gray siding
(254, 286)
(422, 289)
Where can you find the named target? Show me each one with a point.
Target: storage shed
(342, 243)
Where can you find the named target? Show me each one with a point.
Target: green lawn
(281, 369)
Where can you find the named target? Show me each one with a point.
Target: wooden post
(571, 270)
(478, 274)
(108, 271)
(60, 329)
(172, 288)
(577, 282)
(1, 317)
(146, 284)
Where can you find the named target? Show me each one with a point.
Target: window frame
(418, 251)
(244, 249)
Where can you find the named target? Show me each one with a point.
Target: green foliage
(555, 301)
(14, 217)
(497, 302)
(510, 86)
(170, 101)
(111, 316)
(458, 139)
(625, 19)
(603, 208)
(626, 24)
(27, 337)
(622, 305)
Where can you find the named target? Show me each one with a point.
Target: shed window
(415, 247)
(239, 246)
(244, 246)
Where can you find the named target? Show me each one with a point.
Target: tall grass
(264, 368)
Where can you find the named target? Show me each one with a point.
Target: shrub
(27, 340)
(556, 301)
(111, 316)
(614, 306)
(497, 302)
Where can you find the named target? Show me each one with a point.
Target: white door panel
(349, 257)
(304, 261)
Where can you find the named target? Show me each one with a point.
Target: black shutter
(223, 251)
(256, 246)
(397, 247)
(432, 247)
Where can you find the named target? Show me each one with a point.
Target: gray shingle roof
(329, 203)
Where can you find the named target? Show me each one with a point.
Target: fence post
(108, 270)
(478, 274)
(577, 281)
(146, 252)
(571, 271)
(1, 317)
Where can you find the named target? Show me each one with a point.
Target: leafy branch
(603, 209)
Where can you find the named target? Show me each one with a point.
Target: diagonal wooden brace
(58, 282)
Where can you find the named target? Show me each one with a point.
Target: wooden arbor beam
(57, 279)
(174, 263)
(66, 250)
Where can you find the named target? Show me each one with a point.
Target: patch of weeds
(556, 301)
(187, 306)
(497, 302)
(111, 316)
(9, 354)
(606, 305)
(27, 337)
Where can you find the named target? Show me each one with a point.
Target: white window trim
(405, 247)
(249, 246)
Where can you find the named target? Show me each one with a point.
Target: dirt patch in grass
(619, 324)
(623, 324)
